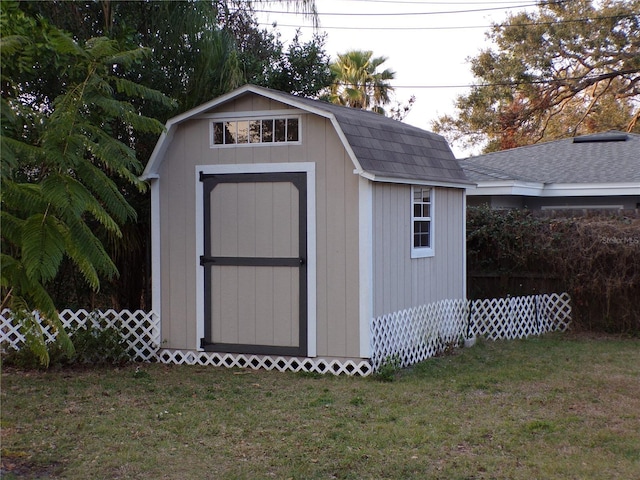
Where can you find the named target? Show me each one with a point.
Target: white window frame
(259, 118)
(422, 252)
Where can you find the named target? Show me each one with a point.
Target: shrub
(596, 259)
(95, 343)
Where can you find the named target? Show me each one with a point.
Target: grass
(551, 407)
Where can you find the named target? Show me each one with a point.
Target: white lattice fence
(361, 367)
(519, 317)
(412, 335)
(140, 329)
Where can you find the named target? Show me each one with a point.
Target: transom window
(421, 221)
(256, 131)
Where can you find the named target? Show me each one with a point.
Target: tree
(197, 50)
(568, 68)
(358, 83)
(61, 148)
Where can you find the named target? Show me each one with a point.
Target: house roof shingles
(609, 157)
(388, 148)
(384, 148)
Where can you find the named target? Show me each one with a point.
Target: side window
(421, 221)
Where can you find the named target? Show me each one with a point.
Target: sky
(427, 43)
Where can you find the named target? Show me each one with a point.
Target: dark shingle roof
(608, 157)
(381, 147)
(389, 148)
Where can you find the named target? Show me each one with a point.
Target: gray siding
(337, 278)
(399, 281)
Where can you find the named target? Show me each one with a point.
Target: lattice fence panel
(255, 362)
(519, 317)
(140, 329)
(406, 337)
(412, 335)
(554, 311)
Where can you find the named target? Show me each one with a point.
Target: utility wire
(501, 84)
(409, 2)
(405, 14)
(456, 27)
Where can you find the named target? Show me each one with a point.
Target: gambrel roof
(381, 149)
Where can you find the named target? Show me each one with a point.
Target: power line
(405, 14)
(409, 2)
(503, 84)
(456, 27)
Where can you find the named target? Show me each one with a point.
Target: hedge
(595, 258)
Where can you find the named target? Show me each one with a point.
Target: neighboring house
(282, 225)
(598, 171)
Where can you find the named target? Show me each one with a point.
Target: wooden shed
(281, 226)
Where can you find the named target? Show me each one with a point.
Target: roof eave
(533, 189)
(413, 181)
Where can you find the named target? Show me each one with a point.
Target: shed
(282, 225)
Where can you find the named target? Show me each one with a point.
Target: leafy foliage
(567, 69)
(94, 344)
(195, 51)
(594, 258)
(60, 155)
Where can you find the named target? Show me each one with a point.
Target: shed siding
(337, 312)
(399, 281)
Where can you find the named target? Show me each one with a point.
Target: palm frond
(43, 247)
(11, 44)
(25, 198)
(106, 191)
(84, 248)
(11, 227)
(135, 90)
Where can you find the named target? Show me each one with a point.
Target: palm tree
(358, 84)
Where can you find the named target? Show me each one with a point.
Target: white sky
(425, 46)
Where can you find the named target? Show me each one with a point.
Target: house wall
(337, 305)
(624, 202)
(401, 282)
(506, 202)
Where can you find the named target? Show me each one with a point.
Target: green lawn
(560, 406)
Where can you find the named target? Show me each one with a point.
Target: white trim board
(534, 189)
(365, 276)
(156, 272)
(306, 167)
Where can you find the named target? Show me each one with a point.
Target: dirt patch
(19, 465)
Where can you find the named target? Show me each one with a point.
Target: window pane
(426, 210)
(421, 234)
(218, 133)
(267, 130)
(254, 131)
(230, 132)
(243, 132)
(292, 130)
(281, 125)
(417, 210)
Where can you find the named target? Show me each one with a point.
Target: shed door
(254, 259)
